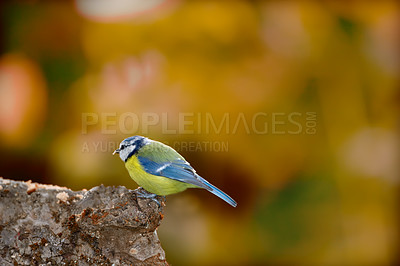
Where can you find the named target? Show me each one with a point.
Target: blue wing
(178, 170)
(182, 171)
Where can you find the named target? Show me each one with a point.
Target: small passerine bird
(160, 169)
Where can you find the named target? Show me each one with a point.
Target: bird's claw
(142, 193)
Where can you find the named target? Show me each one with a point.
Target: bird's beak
(116, 151)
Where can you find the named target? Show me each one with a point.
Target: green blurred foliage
(320, 190)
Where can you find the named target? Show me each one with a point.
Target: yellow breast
(159, 185)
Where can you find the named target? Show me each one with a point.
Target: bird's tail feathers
(217, 192)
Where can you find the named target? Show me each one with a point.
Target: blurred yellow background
(291, 107)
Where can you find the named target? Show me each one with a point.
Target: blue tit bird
(160, 169)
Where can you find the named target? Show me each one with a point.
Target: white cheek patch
(124, 153)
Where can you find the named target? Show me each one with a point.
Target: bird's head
(130, 146)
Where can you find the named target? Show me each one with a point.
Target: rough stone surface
(45, 224)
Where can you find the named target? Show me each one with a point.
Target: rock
(46, 224)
